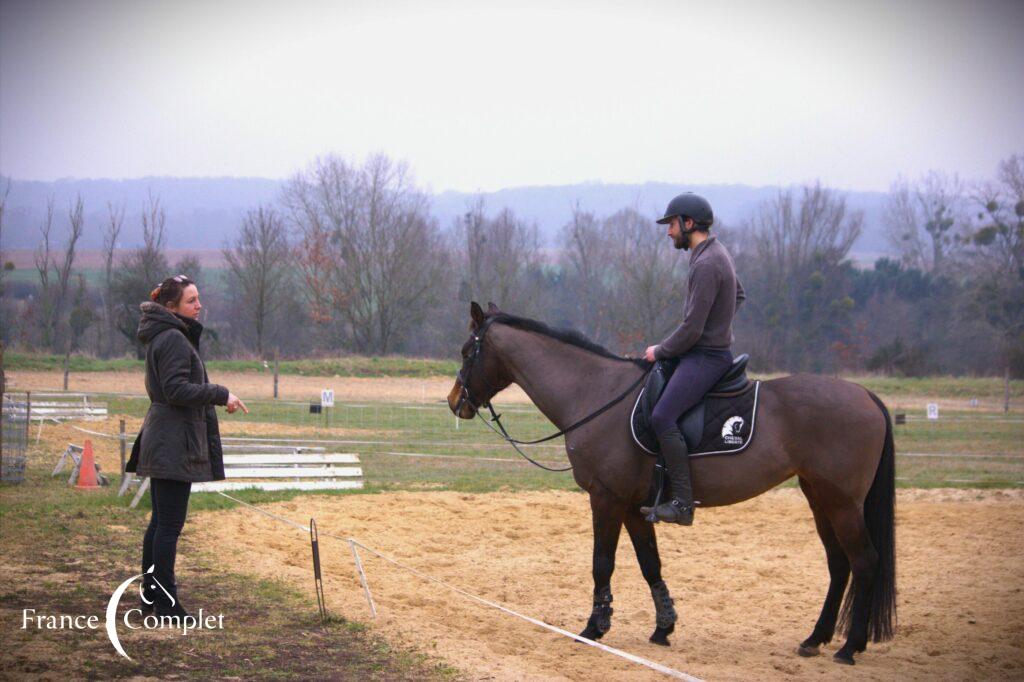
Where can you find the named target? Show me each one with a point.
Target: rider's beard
(682, 241)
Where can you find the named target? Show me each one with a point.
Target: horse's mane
(572, 337)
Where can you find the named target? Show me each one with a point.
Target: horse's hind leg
(607, 512)
(852, 532)
(839, 575)
(641, 532)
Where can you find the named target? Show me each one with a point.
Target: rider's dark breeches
(699, 369)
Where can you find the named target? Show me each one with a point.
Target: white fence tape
(352, 542)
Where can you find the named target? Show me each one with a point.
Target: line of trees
(351, 260)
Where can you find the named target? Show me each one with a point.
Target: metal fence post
(123, 462)
(277, 370)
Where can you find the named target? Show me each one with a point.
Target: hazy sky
(480, 95)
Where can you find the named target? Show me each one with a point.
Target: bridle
(467, 369)
(465, 397)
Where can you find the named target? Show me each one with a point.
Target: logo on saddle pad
(731, 431)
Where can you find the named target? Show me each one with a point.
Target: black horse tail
(880, 518)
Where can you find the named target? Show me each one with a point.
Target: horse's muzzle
(458, 402)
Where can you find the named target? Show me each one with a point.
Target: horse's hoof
(660, 636)
(844, 658)
(590, 633)
(808, 651)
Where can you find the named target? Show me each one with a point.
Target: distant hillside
(203, 213)
(551, 207)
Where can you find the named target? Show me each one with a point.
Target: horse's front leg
(641, 532)
(607, 512)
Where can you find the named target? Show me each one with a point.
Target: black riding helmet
(689, 205)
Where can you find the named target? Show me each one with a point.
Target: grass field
(393, 419)
(415, 446)
(64, 552)
(990, 388)
(351, 366)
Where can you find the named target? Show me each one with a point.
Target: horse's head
(482, 374)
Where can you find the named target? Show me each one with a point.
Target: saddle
(721, 423)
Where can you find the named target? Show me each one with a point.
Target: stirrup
(672, 511)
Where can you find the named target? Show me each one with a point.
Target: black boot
(677, 460)
(170, 607)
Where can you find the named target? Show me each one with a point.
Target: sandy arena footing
(748, 582)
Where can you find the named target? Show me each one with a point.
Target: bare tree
(6, 311)
(81, 317)
(5, 191)
(258, 272)
(792, 235)
(371, 254)
(801, 247)
(648, 280)
(76, 218)
(111, 234)
(586, 259)
(1002, 204)
(55, 276)
(502, 257)
(998, 259)
(471, 236)
(923, 219)
(140, 271)
(190, 265)
(45, 302)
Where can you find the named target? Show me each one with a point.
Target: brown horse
(834, 435)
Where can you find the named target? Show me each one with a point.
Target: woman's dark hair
(169, 291)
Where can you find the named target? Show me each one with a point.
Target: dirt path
(255, 386)
(748, 581)
(261, 387)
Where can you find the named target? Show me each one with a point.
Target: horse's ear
(477, 315)
(492, 309)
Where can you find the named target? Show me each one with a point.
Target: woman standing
(179, 442)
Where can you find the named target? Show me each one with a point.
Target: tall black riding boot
(169, 604)
(677, 460)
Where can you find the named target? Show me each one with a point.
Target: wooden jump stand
(73, 454)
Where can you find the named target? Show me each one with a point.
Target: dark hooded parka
(180, 438)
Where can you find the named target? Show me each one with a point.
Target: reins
(478, 339)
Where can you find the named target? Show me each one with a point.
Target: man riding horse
(702, 342)
(836, 437)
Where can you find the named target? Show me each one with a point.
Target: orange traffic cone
(87, 469)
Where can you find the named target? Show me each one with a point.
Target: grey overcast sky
(484, 95)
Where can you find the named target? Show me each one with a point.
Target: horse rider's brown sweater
(714, 295)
